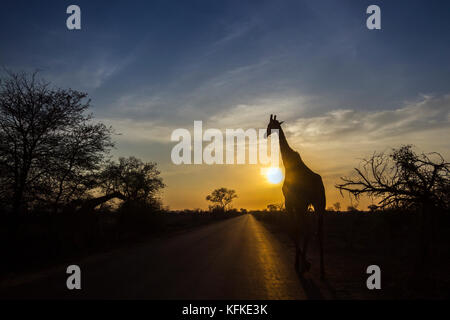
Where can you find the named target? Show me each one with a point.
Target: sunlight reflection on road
(279, 275)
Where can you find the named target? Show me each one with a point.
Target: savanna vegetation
(406, 231)
(61, 193)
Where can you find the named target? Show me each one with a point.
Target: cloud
(86, 74)
(255, 114)
(189, 97)
(132, 131)
(418, 122)
(84, 77)
(427, 114)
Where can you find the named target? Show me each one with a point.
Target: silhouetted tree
(137, 181)
(405, 179)
(49, 146)
(372, 207)
(337, 206)
(275, 207)
(221, 198)
(402, 179)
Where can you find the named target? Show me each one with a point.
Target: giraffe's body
(301, 188)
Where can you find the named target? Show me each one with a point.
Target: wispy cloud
(428, 113)
(420, 120)
(132, 131)
(233, 32)
(85, 75)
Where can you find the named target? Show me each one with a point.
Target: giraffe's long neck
(287, 154)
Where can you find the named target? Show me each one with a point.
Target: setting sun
(274, 175)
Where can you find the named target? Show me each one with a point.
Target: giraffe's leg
(297, 257)
(303, 237)
(292, 228)
(321, 212)
(306, 265)
(298, 248)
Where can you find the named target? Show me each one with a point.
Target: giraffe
(301, 188)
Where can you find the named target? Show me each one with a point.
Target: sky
(344, 91)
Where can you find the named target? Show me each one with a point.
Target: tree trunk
(425, 238)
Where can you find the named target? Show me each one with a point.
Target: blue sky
(171, 49)
(152, 66)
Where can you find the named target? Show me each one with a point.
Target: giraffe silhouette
(301, 188)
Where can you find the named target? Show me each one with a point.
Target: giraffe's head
(273, 124)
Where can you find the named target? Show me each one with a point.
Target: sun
(274, 175)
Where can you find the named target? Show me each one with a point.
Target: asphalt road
(232, 259)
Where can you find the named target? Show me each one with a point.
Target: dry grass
(353, 241)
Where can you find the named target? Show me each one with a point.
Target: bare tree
(408, 180)
(402, 178)
(48, 144)
(221, 198)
